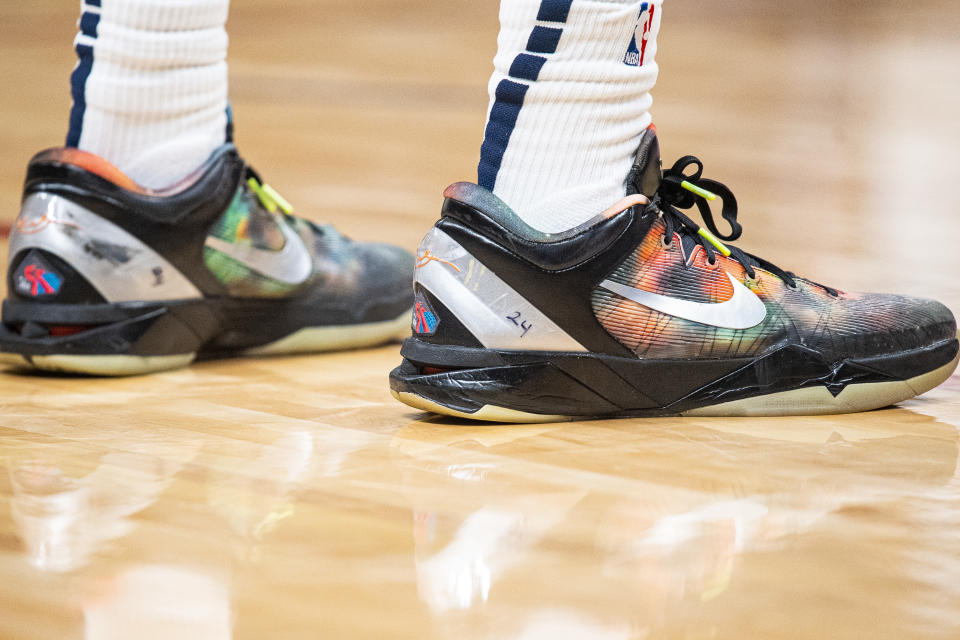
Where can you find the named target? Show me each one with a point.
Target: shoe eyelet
(753, 282)
(666, 246)
(713, 266)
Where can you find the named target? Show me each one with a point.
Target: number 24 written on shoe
(517, 319)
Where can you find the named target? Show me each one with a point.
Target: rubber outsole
(487, 413)
(309, 340)
(819, 400)
(114, 366)
(320, 339)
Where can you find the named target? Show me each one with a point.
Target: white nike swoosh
(744, 310)
(291, 265)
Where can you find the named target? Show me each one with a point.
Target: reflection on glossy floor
(293, 498)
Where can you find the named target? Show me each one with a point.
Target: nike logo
(291, 265)
(743, 311)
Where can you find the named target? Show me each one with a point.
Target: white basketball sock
(150, 87)
(569, 101)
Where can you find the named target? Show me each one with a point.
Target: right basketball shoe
(108, 278)
(641, 312)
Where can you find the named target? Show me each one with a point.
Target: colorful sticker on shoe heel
(36, 278)
(637, 51)
(425, 321)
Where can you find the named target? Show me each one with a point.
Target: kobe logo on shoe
(742, 311)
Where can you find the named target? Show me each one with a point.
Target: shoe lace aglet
(700, 191)
(269, 197)
(281, 202)
(712, 239)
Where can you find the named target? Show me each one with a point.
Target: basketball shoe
(643, 312)
(108, 278)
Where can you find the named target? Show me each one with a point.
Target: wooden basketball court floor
(293, 498)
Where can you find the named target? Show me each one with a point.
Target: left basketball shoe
(108, 278)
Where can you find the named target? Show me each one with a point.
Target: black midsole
(591, 384)
(210, 326)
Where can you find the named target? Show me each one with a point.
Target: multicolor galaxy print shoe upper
(642, 311)
(106, 277)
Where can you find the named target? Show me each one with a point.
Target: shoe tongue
(646, 174)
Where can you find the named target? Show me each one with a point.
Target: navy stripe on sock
(509, 96)
(544, 40)
(89, 23)
(78, 80)
(93, 3)
(554, 10)
(503, 120)
(229, 133)
(527, 67)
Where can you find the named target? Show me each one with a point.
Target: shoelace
(275, 203)
(268, 196)
(680, 190)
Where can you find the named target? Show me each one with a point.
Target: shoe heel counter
(459, 301)
(38, 276)
(64, 253)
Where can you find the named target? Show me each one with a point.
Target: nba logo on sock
(637, 52)
(425, 321)
(36, 278)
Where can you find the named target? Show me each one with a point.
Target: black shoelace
(680, 190)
